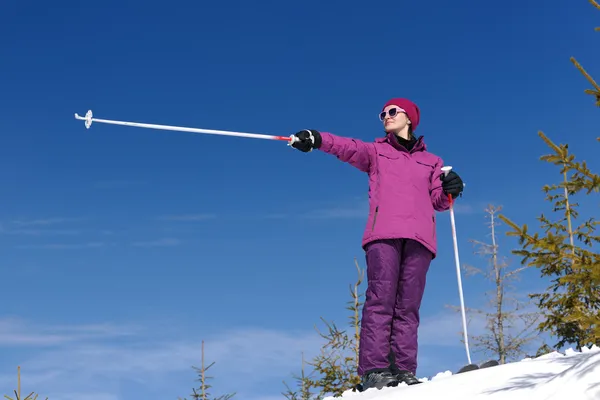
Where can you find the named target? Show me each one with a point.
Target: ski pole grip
(446, 171)
(293, 139)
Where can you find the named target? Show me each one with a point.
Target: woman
(406, 187)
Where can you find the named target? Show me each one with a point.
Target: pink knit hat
(411, 109)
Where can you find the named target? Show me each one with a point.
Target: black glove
(308, 139)
(452, 184)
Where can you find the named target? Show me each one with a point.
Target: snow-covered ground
(554, 376)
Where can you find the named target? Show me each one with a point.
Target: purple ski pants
(396, 276)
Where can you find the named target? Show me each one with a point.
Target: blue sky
(123, 248)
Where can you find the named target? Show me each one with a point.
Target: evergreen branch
(584, 72)
(17, 392)
(204, 386)
(595, 93)
(516, 271)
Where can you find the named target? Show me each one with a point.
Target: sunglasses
(392, 113)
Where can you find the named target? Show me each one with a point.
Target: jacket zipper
(375, 218)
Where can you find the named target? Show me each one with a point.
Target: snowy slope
(573, 376)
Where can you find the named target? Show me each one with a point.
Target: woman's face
(396, 123)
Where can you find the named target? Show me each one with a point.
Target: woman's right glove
(452, 184)
(306, 140)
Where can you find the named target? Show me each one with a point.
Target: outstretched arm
(352, 151)
(355, 152)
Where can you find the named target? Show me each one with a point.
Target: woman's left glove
(452, 184)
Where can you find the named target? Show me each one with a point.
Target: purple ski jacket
(404, 187)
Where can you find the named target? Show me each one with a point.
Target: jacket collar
(419, 145)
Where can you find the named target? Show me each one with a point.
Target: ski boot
(407, 377)
(377, 379)
(403, 375)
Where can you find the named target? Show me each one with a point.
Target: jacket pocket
(390, 156)
(424, 173)
(426, 164)
(375, 218)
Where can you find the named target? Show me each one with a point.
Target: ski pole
(446, 170)
(89, 119)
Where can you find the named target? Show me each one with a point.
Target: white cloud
(187, 217)
(83, 396)
(340, 212)
(360, 209)
(45, 221)
(63, 246)
(100, 361)
(117, 184)
(39, 227)
(355, 208)
(463, 208)
(93, 361)
(275, 216)
(40, 232)
(16, 332)
(164, 242)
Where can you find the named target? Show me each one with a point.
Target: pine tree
(305, 384)
(334, 370)
(563, 251)
(202, 393)
(508, 322)
(30, 396)
(338, 362)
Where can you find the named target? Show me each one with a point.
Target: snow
(554, 376)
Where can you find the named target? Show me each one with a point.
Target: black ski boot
(407, 377)
(377, 379)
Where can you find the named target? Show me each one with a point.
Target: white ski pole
(446, 170)
(88, 122)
